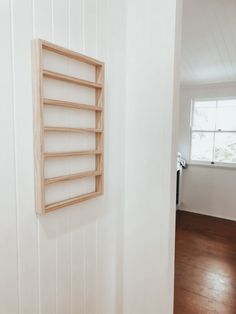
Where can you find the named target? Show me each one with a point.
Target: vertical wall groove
(56, 277)
(96, 28)
(68, 18)
(39, 277)
(70, 228)
(69, 216)
(85, 285)
(37, 220)
(96, 224)
(96, 254)
(83, 24)
(15, 157)
(52, 20)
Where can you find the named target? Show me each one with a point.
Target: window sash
(215, 131)
(216, 110)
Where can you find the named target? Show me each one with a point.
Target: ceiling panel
(208, 41)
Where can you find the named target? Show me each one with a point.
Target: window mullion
(214, 137)
(213, 148)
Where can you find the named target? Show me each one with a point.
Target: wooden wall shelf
(40, 77)
(70, 79)
(67, 104)
(71, 154)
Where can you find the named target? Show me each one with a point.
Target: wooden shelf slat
(70, 79)
(71, 154)
(68, 104)
(71, 201)
(63, 129)
(74, 176)
(70, 54)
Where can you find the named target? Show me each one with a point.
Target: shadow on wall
(73, 218)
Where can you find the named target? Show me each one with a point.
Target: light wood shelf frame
(63, 129)
(40, 130)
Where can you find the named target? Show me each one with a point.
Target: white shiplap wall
(152, 95)
(68, 261)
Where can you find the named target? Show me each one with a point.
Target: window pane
(226, 115)
(225, 147)
(204, 115)
(202, 146)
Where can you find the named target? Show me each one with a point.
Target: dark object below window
(177, 187)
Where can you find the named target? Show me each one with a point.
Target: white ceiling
(208, 41)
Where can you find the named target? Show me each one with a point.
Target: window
(213, 131)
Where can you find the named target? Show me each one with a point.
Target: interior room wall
(205, 189)
(69, 261)
(152, 106)
(73, 260)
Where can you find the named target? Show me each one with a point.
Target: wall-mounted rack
(40, 75)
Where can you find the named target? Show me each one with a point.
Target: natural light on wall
(213, 131)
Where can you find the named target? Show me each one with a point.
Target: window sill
(216, 165)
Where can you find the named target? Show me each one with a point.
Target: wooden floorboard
(205, 266)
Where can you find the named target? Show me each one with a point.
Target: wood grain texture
(71, 54)
(205, 271)
(100, 125)
(67, 104)
(74, 176)
(71, 154)
(38, 124)
(71, 201)
(73, 130)
(70, 79)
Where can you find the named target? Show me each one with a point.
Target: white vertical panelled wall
(93, 257)
(67, 261)
(150, 169)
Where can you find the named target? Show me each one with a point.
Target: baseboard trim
(204, 214)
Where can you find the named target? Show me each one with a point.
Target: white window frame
(208, 163)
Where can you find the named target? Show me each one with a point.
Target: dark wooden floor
(205, 275)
